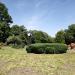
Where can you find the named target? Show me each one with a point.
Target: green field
(18, 62)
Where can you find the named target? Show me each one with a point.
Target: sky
(49, 16)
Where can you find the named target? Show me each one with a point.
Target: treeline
(17, 35)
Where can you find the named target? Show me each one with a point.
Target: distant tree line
(18, 34)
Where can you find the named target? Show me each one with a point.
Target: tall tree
(4, 15)
(5, 20)
(60, 37)
(70, 34)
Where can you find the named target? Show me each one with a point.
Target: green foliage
(69, 39)
(71, 29)
(4, 31)
(23, 36)
(47, 48)
(5, 20)
(41, 37)
(17, 30)
(20, 31)
(60, 37)
(70, 34)
(5, 17)
(15, 41)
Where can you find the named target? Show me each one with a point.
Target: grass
(18, 62)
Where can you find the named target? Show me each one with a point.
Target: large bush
(47, 48)
(15, 42)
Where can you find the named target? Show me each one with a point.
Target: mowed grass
(18, 62)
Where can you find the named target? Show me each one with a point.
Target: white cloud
(33, 23)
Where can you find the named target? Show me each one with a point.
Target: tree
(23, 36)
(4, 31)
(15, 41)
(5, 20)
(70, 34)
(19, 31)
(4, 15)
(60, 37)
(69, 38)
(41, 37)
(71, 30)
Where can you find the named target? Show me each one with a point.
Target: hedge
(47, 48)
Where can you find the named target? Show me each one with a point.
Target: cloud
(33, 23)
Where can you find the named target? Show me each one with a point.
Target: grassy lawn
(18, 62)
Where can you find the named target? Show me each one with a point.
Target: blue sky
(47, 15)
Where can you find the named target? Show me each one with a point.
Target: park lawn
(18, 62)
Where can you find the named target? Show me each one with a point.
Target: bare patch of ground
(24, 71)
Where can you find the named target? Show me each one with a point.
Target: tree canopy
(70, 34)
(41, 37)
(4, 15)
(60, 37)
(5, 20)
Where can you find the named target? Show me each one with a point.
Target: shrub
(15, 42)
(47, 48)
(50, 50)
